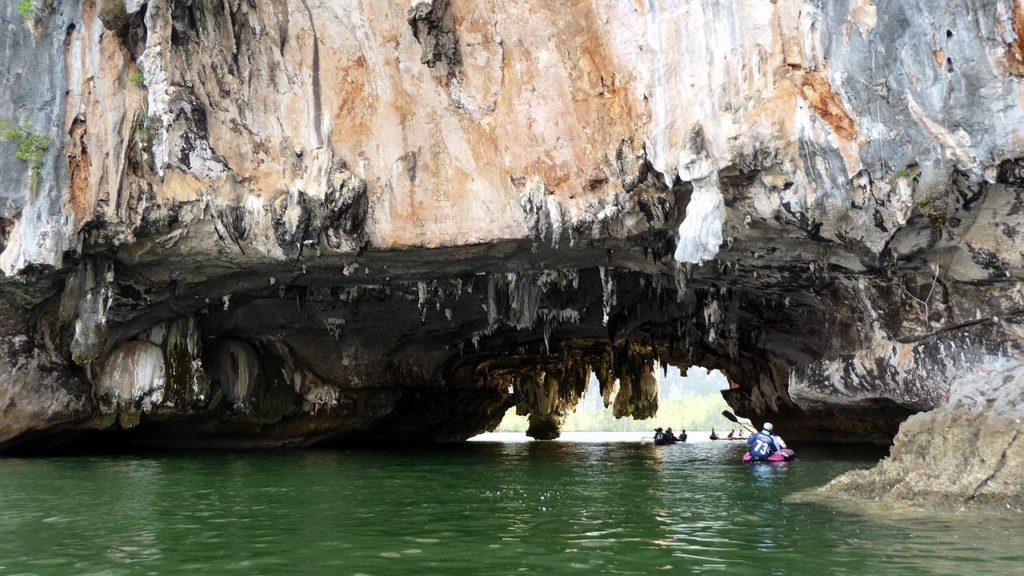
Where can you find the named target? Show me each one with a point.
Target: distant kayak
(735, 438)
(784, 455)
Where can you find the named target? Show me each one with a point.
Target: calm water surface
(479, 508)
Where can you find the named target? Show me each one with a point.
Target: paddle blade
(745, 422)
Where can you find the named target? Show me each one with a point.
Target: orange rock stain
(817, 91)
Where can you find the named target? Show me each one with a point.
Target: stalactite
(608, 298)
(524, 300)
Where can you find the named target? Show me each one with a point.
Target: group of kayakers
(762, 444)
(733, 435)
(666, 437)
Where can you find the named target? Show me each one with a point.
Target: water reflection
(543, 508)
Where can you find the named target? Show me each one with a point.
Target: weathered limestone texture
(966, 454)
(295, 222)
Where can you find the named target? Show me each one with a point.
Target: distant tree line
(690, 412)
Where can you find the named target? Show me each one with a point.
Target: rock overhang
(402, 220)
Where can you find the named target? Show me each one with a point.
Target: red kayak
(784, 455)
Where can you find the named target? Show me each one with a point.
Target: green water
(532, 508)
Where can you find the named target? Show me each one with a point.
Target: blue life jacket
(659, 438)
(761, 446)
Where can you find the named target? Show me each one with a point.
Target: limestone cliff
(304, 221)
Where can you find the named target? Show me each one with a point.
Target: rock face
(966, 454)
(298, 222)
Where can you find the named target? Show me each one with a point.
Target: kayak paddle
(730, 416)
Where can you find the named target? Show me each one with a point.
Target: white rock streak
(700, 234)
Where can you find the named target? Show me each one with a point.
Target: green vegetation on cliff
(32, 147)
(27, 9)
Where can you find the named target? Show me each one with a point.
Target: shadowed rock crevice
(433, 25)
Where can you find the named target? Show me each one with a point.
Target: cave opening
(687, 398)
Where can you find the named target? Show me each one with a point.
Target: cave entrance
(688, 398)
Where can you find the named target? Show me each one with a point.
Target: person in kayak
(714, 435)
(659, 437)
(682, 435)
(764, 443)
(670, 438)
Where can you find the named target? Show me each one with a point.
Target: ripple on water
(481, 509)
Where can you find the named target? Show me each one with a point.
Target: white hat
(768, 426)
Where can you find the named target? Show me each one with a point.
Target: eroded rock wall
(290, 222)
(965, 454)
